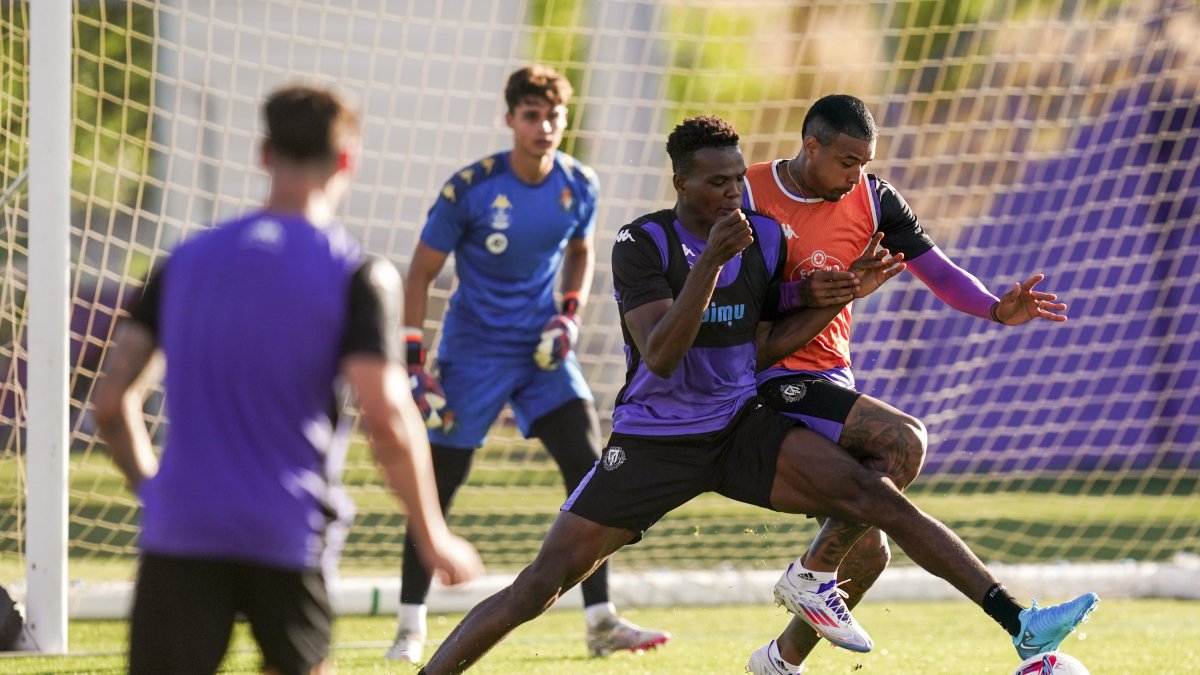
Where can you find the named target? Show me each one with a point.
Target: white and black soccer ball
(1051, 663)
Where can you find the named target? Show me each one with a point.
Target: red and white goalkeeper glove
(426, 390)
(559, 335)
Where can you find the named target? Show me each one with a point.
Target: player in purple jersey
(697, 326)
(830, 203)
(259, 319)
(516, 222)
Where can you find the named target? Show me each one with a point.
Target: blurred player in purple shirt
(260, 319)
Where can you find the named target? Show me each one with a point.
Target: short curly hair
(695, 134)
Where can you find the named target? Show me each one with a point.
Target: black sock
(1003, 608)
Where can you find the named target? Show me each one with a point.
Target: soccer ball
(1051, 663)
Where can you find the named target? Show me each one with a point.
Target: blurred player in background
(259, 318)
(698, 292)
(515, 221)
(829, 208)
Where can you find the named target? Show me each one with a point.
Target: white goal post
(48, 327)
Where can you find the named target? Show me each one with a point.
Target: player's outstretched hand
(875, 266)
(452, 559)
(1022, 304)
(729, 236)
(430, 398)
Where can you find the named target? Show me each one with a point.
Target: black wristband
(570, 304)
(414, 352)
(992, 312)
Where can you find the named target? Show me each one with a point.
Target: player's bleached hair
(308, 124)
(537, 82)
(839, 114)
(695, 134)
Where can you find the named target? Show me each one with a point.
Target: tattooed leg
(886, 440)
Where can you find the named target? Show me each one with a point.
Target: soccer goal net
(1052, 136)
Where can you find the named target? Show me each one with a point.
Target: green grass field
(1124, 637)
(505, 512)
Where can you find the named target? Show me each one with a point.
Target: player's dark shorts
(639, 479)
(184, 610)
(822, 405)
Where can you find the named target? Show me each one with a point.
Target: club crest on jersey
(500, 207)
(566, 199)
(613, 457)
(793, 392)
(624, 235)
(496, 243)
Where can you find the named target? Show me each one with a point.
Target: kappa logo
(788, 232)
(613, 457)
(689, 255)
(793, 392)
(624, 235)
(266, 234)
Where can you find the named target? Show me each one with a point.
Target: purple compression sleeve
(954, 285)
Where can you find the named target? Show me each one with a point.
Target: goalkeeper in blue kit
(515, 221)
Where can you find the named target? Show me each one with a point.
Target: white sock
(799, 574)
(412, 618)
(773, 654)
(594, 614)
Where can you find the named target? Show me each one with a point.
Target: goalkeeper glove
(559, 335)
(426, 391)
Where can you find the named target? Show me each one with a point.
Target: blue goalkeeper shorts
(477, 390)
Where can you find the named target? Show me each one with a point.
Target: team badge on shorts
(793, 392)
(613, 457)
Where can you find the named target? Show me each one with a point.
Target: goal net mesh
(1052, 136)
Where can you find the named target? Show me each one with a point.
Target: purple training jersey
(253, 318)
(651, 260)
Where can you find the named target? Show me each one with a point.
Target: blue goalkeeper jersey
(508, 239)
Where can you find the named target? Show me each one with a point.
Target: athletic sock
(593, 615)
(773, 654)
(412, 618)
(801, 575)
(1003, 608)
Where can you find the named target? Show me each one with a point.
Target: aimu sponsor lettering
(726, 314)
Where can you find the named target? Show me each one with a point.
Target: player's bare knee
(536, 589)
(914, 444)
(873, 553)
